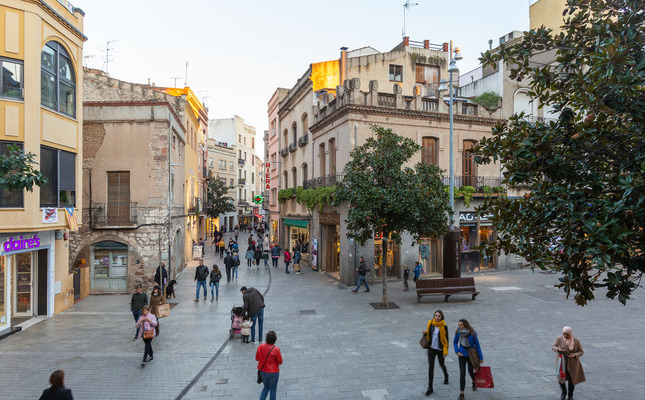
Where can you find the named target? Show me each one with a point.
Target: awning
(296, 222)
(258, 215)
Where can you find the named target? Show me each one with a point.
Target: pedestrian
(418, 268)
(296, 260)
(236, 232)
(265, 256)
(138, 300)
(275, 254)
(362, 273)
(156, 299)
(265, 243)
(250, 251)
(216, 275)
(57, 391)
(406, 276)
(269, 360)
(254, 307)
(245, 329)
(161, 276)
(146, 322)
(287, 260)
(571, 350)
(437, 334)
(236, 265)
(230, 244)
(466, 346)
(203, 245)
(201, 273)
(257, 255)
(229, 262)
(250, 240)
(222, 245)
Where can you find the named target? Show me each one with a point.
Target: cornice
(59, 18)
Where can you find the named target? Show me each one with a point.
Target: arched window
(285, 176)
(305, 124)
(429, 150)
(332, 156)
(304, 173)
(294, 177)
(57, 79)
(285, 136)
(294, 130)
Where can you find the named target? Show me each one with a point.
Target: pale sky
(239, 52)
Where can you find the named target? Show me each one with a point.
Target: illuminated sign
(21, 244)
(267, 176)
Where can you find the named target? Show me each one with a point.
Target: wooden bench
(446, 287)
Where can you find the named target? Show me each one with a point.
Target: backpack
(236, 260)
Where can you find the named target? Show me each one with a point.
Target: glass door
(23, 274)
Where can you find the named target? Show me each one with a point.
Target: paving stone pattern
(335, 345)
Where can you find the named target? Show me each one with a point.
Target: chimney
(406, 41)
(426, 44)
(445, 47)
(343, 65)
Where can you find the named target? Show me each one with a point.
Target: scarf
(463, 338)
(442, 333)
(569, 342)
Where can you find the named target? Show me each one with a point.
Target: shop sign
(330, 218)
(267, 175)
(21, 244)
(472, 217)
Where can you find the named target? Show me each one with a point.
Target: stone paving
(334, 344)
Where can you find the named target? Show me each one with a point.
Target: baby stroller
(236, 320)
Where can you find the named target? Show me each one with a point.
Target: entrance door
(22, 283)
(42, 282)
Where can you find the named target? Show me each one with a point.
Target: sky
(239, 51)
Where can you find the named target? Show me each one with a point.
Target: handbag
(149, 334)
(163, 310)
(484, 378)
(474, 357)
(561, 369)
(265, 361)
(424, 342)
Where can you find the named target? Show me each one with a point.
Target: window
(240, 138)
(285, 179)
(427, 74)
(60, 169)
(12, 79)
(232, 183)
(304, 173)
(240, 153)
(332, 156)
(7, 198)
(321, 156)
(245, 140)
(222, 164)
(294, 130)
(468, 164)
(274, 196)
(396, 73)
(118, 198)
(231, 168)
(57, 80)
(305, 124)
(429, 151)
(253, 143)
(294, 177)
(252, 178)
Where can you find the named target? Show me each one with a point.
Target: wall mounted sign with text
(16, 244)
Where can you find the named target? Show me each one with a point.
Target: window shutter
(421, 74)
(118, 207)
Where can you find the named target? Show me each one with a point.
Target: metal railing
(428, 104)
(119, 213)
(323, 181)
(284, 152)
(476, 182)
(241, 181)
(240, 161)
(293, 146)
(303, 140)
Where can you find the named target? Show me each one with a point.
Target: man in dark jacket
(201, 273)
(362, 273)
(229, 263)
(161, 276)
(254, 307)
(138, 300)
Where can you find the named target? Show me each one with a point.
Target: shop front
(330, 252)
(109, 267)
(429, 256)
(392, 258)
(297, 236)
(26, 265)
(475, 230)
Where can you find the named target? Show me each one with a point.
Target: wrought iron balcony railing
(114, 214)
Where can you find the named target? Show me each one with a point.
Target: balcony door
(118, 204)
(469, 167)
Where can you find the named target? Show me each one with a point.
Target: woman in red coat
(269, 360)
(287, 260)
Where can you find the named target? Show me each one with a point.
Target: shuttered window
(118, 204)
(468, 164)
(429, 151)
(7, 198)
(421, 74)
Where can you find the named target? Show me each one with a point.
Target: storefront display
(429, 256)
(109, 267)
(391, 258)
(475, 231)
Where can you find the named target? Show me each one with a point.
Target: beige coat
(573, 365)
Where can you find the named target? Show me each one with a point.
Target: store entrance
(22, 277)
(42, 282)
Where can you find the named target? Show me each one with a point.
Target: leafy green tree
(218, 202)
(584, 213)
(17, 171)
(385, 197)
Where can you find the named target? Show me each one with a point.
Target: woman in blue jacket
(466, 338)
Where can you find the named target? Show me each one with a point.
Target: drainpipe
(355, 244)
(343, 65)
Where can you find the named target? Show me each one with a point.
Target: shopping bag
(484, 378)
(163, 310)
(561, 371)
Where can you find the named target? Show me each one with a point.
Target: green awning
(296, 222)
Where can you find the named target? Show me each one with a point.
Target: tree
(584, 212)
(17, 171)
(387, 198)
(218, 202)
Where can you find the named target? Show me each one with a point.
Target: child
(245, 329)
(417, 270)
(406, 276)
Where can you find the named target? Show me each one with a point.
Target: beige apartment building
(272, 163)
(41, 53)
(222, 163)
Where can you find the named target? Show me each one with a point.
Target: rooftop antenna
(107, 60)
(407, 6)
(490, 44)
(186, 76)
(175, 78)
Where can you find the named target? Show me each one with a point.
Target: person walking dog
(467, 348)
(362, 273)
(437, 334)
(569, 350)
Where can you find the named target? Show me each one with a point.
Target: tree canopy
(584, 212)
(17, 171)
(218, 202)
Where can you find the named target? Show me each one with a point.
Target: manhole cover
(307, 312)
(379, 306)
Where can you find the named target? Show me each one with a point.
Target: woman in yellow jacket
(437, 335)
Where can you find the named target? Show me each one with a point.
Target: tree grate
(390, 306)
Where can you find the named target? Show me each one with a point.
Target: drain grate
(390, 306)
(307, 312)
(221, 381)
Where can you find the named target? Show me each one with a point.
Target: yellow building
(547, 13)
(40, 111)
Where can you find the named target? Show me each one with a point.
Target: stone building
(222, 162)
(133, 184)
(272, 163)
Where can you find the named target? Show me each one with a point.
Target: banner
(50, 215)
(71, 219)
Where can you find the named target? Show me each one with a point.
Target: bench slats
(446, 286)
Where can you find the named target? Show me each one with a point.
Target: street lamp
(442, 89)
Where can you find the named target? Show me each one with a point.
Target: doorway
(22, 283)
(42, 282)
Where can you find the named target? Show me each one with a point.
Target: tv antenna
(106, 60)
(406, 7)
(175, 78)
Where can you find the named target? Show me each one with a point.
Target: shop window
(12, 86)
(58, 81)
(391, 257)
(429, 151)
(60, 169)
(396, 73)
(10, 199)
(109, 267)
(222, 164)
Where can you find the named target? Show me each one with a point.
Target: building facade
(222, 162)
(40, 113)
(273, 162)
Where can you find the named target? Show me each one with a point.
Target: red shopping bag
(484, 378)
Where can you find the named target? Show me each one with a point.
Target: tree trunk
(384, 302)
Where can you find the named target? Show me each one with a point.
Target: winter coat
(253, 301)
(472, 340)
(297, 257)
(275, 252)
(138, 301)
(245, 327)
(249, 254)
(215, 276)
(56, 393)
(287, 256)
(362, 268)
(155, 302)
(258, 254)
(229, 261)
(201, 273)
(147, 325)
(573, 365)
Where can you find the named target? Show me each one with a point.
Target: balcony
(241, 182)
(429, 104)
(479, 183)
(293, 146)
(243, 203)
(284, 152)
(324, 181)
(195, 206)
(469, 109)
(114, 215)
(240, 161)
(303, 140)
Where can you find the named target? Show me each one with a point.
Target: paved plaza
(335, 345)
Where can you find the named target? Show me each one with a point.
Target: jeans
(274, 260)
(286, 265)
(148, 349)
(266, 261)
(259, 317)
(215, 285)
(234, 272)
(228, 273)
(432, 353)
(361, 280)
(136, 315)
(270, 381)
(462, 372)
(201, 284)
